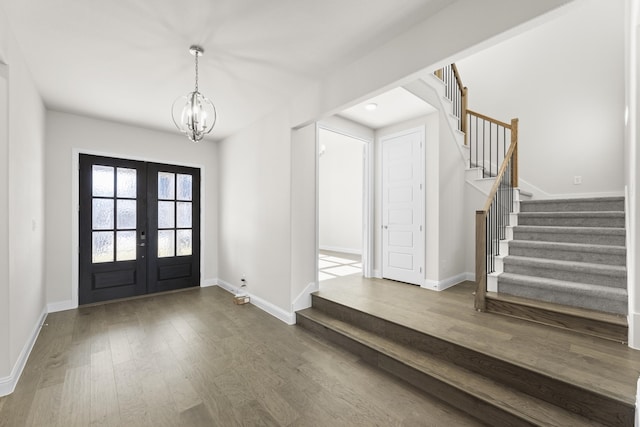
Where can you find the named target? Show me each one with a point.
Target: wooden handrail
(513, 149)
(490, 119)
(463, 100)
(481, 215)
(457, 75)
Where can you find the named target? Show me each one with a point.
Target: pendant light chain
(196, 55)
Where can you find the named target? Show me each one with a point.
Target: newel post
(481, 260)
(514, 161)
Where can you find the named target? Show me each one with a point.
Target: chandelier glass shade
(194, 114)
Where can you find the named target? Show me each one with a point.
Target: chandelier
(194, 114)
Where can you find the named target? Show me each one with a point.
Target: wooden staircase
(476, 376)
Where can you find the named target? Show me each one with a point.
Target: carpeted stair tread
(616, 271)
(572, 230)
(612, 236)
(570, 219)
(510, 400)
(583, 204)
(581, 252)
(582, 247)
(590, 296)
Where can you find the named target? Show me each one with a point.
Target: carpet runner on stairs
(569, 252)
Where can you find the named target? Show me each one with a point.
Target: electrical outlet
(577, 180)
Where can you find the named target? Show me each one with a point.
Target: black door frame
(172, 269)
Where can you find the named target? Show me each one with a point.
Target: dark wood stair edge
(589, 322)
(582, 401)
(478, 408)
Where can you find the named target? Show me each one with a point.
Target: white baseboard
(54, 307)
(303, 300)
(637, 421)
(208, 282)
(8, 384)
(264, 305)
(441, 285)
(343, 250)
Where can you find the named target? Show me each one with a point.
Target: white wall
(69, 134)
(255, 203)
(5, 359)
(632, 162)
(255, 164)
(564, 80)
(340, 192)
(304, 236)
(22, 293)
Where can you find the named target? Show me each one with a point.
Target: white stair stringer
(492, 278)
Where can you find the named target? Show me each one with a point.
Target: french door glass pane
(126, 244)
(102, 214)
(166, 186)
(184, 242)
(127, 185)
(184, 213)
(126, 214)
(166, 215)
(102, 246)
(102, 181)
(184, 187)
(166, 243)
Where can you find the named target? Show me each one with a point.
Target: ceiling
(394, 106)
(127, 60)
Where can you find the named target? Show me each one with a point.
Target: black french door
(139, 228)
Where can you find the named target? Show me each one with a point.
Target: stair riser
(573, 206)
(559, 297)
(428, 384)
(566, 275)
(599, 239)
(613, 222)
(607, 330)
(563, 255)
(583, 402)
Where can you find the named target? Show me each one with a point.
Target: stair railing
(492, 220)
(455, 92)
(487, 139)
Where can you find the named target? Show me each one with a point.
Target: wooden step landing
(480, 396)
(493, 367)
(595, 323)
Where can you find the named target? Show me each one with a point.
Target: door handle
(385, 226)
(141, 244)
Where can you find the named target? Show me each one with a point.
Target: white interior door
(402, 207)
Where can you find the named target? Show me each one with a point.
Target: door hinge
(420, 228)
(420, 269)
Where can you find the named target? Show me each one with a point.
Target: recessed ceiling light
(371, 107)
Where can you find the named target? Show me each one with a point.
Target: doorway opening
(139, 228)
(388, 126)
(340, 204)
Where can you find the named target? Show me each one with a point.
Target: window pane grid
(175, 211)
(114, 216)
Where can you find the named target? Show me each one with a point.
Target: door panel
(139, 228)
(174, 216)
(112, 224)
(402, 201)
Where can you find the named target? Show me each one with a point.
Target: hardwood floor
(591, 363)
(194, 358)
